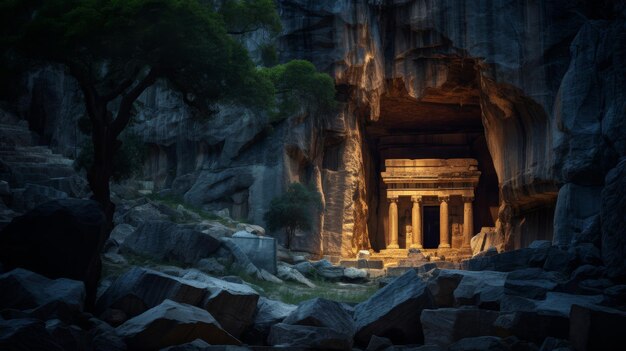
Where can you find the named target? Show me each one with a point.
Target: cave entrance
(445, 123)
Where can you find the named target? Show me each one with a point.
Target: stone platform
(402, 257)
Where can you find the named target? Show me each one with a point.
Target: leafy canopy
(298, 83)
(108, 42)
(293, 210)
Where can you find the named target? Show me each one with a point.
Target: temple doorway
(431, 227)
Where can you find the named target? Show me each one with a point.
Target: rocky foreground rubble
(543, 297)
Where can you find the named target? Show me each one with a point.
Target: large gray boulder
(308, 337)
(532, 325)
(58, 239)
(509, 261)
(321, 312)
(25, 290)
(232, 304)
(484, 289)
(480, 343)
(613, 215)
(394, 311)
(555, 303)
(268, 312)
(167, 241)
(596, 328)
(139, 289)
(444, 326)
(171, 323)
(532, 283)
(26, 334)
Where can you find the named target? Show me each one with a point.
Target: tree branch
(123, 113)
(89, 91)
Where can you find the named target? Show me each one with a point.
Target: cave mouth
(445, 123)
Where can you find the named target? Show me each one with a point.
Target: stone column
(416, 222)
(468, 221)
(393, 223)
(444, 230)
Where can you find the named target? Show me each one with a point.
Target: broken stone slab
(268, 313)
(444, 326)
(556, 303)
(286, 272)
(484, 289)
(532, 283)
(172, 323)
(394, 311)
(596, 328)
(233, 305)
(508, 261)
(167, 241)
(319, 338)
(26, 290)
(532, 326)
(354, 274)
(26, 334)
(261, 250)
(69, 337)
(483, 343)
(320, 312)
(332, 273)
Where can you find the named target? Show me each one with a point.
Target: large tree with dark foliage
(116, 49)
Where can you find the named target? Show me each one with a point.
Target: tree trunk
(99, 175)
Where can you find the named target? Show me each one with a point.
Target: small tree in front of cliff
(293, 210)
(117, 49)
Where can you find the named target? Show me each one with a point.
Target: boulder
(26, 334)
(251, 228)
(139, 289)
(41, 297)
(261, 250)
(559, 260)
(509, 261)
(480, 343)
(354, 274)
(167, 241)
(268, 313)
(58, 239)
(551, 343)
(26, 290)
(305, 268)
(321, 312)
(532, 283)
(286, 272)
(172, 323)
(33, 195)
(487, 239)
(332, 273)
(596, 328)
(146, 212)
(233, 305)
(309, 337)
(613, 219)
(444, 326)
(540, 244)
(104, 337)
(555, 303)
(201, 345)
(378, 343)
(69, 337)
(211, 266)
(532, 326)
(394, 311)
(121, 232)
(484, 289)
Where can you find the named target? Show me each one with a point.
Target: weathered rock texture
(530, 89)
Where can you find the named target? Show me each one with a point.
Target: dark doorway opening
(431, 227)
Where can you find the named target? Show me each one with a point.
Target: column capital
(392, 199)
(468, 199)
(416, 198)
(443, 198)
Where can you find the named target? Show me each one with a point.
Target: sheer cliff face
(533, 88)
(545, 84)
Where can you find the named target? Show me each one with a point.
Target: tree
(293, 210)
(298, 83)
(116, 49)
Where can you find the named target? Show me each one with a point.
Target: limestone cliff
(532, 88)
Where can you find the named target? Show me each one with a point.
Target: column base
(444, 246)
(393, 246)
(416, 246)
